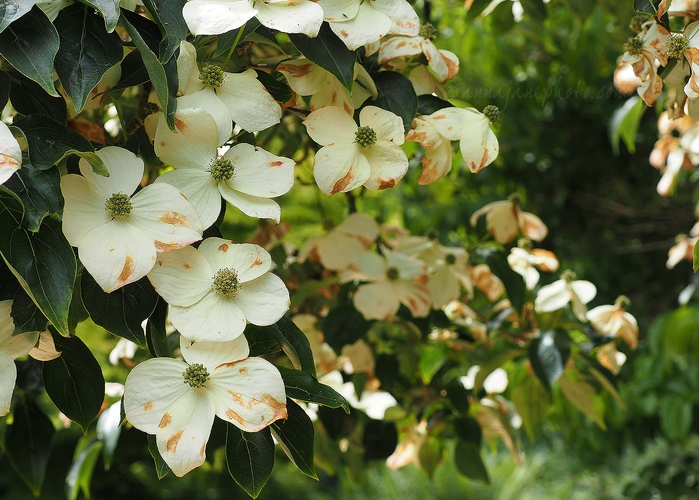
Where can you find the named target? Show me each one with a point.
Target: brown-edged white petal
(207, 100)
(340, 167)
(258, 172)
(192, 145)
(415, 296)
(248, 102)
(388, 163)
(330, 125)
(376, 300)
(369, 25)
(404, 20)
(212, 354)
(200, 188)
(249, 261)
(291, 16)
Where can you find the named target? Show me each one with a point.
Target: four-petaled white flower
(215, 290)
(245, 176)
(525, 261)
(227, 97)
(361, 22)
(438, 157)
(352, 156)
(213, 17)
(10, 153)
(177, 400)
(118, 235)
(568, 289)
(615, 321)
(504, 219)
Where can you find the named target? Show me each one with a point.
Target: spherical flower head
(450, 259)
(492, 113)
(677, 45)
(226, 283)
(366, 136)
(634, 45)
(119, 206)
(212, 75)
(568, 276)
(196, 376)
(428, 31)
(525, 243)
(222, 169)
(392, 274)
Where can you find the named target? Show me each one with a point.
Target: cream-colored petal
(84, 207)
(46, 349)
(337, 250)
(249, 261)
(207, 100)
(387, 125)
(532, 226)
(213, 319)
(443, 287)
(552, 297)
(339, 10)
(187, 70)
(404, 20)
(213, 354)
(502, 222)
(125, 171)
(436, 163)
(479, 146)
(248, 102)
(8, 376)
(304, 77)
(340, 167)
(263, 300)
(376, 300)
(388, 163)
(400, 46)
(192, 145)
(260, 173)
(182, 277)
(415, 296)
(253, 206)
(10, 153)
(210, 17)
(291, 16)
(369, 25)
(331, 125)
(201, 190)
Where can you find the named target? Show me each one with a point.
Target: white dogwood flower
(504, 219)
(117, 234)
(245, 176)
(525, 262)
(352, 156)
(215, 290)
(615, 321)
(567, 289)
(10, 153)
(438, 156)
(177, 400)
(213, 17)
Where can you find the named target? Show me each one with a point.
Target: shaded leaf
(28, 97)
(329, 52)
(514, 283)
(227, 39)
(532, 401)
(428, 104)
(81, 470)
(295, 436)
(476, 8)
(548, 353)
(380, 439)
(168, 16)
(109, 10)
(467, 457)
(624, 124)
(583, 396)
(302, 385)
(11, 10)
(156, 334)
(161, 468)
(397, 95)
(74, 381)
(25, 315)
(249, 458)
(292, 340)
(133, 72)
(344, 325)
(278, 89)
(4, 88)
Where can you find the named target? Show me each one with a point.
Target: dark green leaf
(8, 283)
(11, 10)
(80, 473)
(133, 72)
(295, 436)
(156, 334)
(277, 88)
(25, 315)
(227, 39)
(380, 439)
(468, 429)
(30, 45)
(28, 443)
(109, 10)
(168, 16)
(303, 386)
(86, 52)
(428, 104)
(161, 468)
(535, 9)
(43, 262)
(430, 455)
(650, 6)
(476, 8)
(328, 52)
(467, 457)
(146, 36)
(77, 312)
(122, 311)
(250, 458)
(28, 97)
(49, 142)
(502, 19)
(38, 190)
(458, 396)
(4, 88)
(74, 381)
(548, 353)
(514, 283)
(397, 95)
(260, 342)
(344, 325)
(292, 340)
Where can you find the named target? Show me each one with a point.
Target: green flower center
(365, 136)
(428, 31)
(568, 276)
(676, 45)
(525, 243)
(222, 169)
(450, 259)
(634, 45)
(226, 283)
(196, 375)
(392, 273)
(119, 206)
(492, 113)
(622, 301)
(211, 75)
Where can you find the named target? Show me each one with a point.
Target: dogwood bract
(213, 17)
(504, 219)
(118, 235)
(177, 400)
(567, 289)
(245, 176)
(213, 291)
(352, 156)
(10, 153)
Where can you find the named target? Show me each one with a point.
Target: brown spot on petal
(165, 421)
(344, 33)
(296, 70)
(166, 247)
(243, 370)
(175, 219)
(258, 262)
(180, 125)
(276, 164)
(383, 184)
(279, 408)
(223, 248)
(171, 444)
(234, 416)
(343, 183)
(202, 452)
(162, 144)
(148, 406)
(186, 266)
(128, 269)
(348, 108)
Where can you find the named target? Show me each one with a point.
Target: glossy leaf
(548, 353)
(4, 88)
(77, 312)
(38, 190)
(49, 142)
(168, 16)
(428, 104)
(109, 10)
(74, 381)
(133, 72)
(86, 52)
(328, 52)
(122, 311)
(43, 262)
(156, 333)
(344, 325)
(28, 97)
(146, 36)
(380, 439)
(30, 45)
(303, 386)
(292, 340)
(278, 89)
(13, 10)
(80, 473)
(161, 468)
(624, 124)
(108, 432)
(295, 436)
(226, 40)
(467, 457)
(249, 458)
(28, 443)
(25, 315)
(397, 95)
